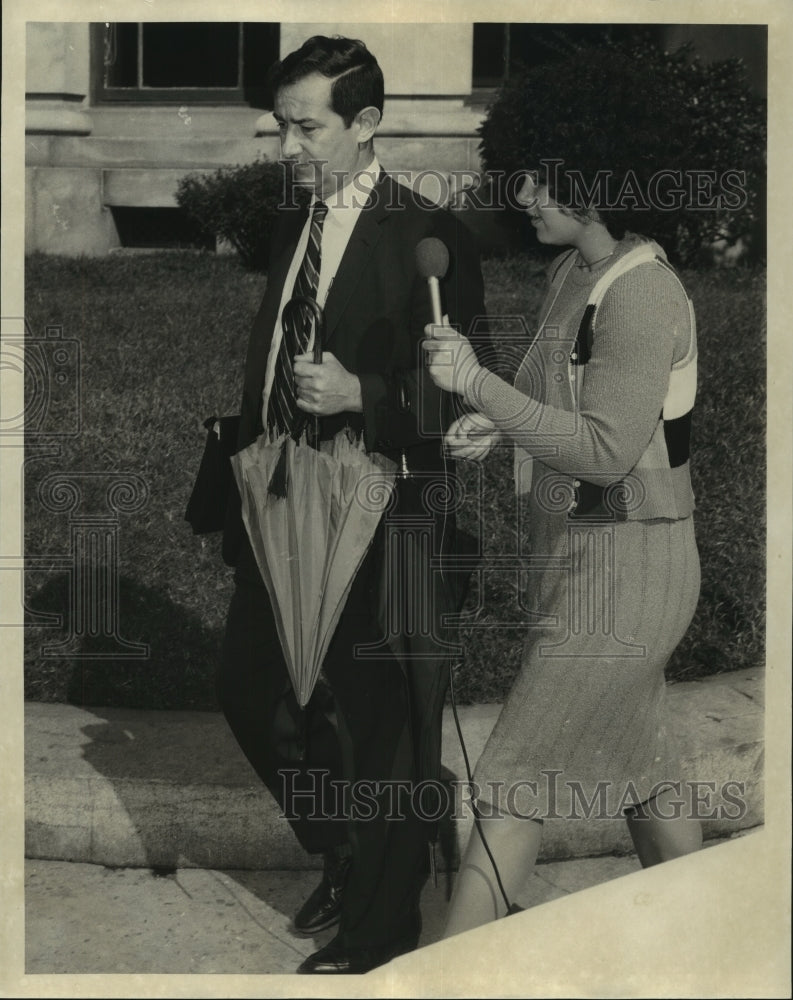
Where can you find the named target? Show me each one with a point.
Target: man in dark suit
(381, 721)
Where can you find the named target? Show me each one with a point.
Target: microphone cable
(433, 260)
(511, 907)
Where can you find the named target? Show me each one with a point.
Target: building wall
(83, 159)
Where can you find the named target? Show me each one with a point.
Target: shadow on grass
(136, 650)
(153, 815)
(156, 769)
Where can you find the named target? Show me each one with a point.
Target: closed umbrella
(310, 543)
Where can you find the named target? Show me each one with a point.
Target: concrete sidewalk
(89, 919)
(712, 924)
(172, 790)
(154, 857)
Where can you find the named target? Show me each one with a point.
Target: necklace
(592, 263)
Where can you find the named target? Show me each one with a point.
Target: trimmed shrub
(237, 204)
(625, 111)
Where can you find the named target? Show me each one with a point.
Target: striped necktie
(296, 330)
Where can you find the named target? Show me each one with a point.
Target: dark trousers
(360, 768)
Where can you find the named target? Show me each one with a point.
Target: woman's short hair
(609, 196)
(357, 77)
(615, 125)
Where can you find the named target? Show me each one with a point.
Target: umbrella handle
(318, 315)
(295, 303)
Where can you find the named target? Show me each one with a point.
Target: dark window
(158, 229)
(490, 54)
(209, 62)
(500, 49)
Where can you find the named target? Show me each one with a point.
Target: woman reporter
(599, 416)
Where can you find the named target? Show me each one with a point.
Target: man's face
(324, 152)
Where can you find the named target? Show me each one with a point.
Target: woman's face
(552, 223)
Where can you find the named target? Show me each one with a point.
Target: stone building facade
(92, 157)
(117, 114)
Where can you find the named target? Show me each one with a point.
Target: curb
(160, 789)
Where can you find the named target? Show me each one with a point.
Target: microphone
(432, 261)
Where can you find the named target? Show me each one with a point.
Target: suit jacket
(375, 314)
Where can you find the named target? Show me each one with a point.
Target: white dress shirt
(344, 207)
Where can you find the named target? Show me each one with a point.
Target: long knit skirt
(585, 720)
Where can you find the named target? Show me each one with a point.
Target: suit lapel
(285, 241)
(365, 236)
(280, 267)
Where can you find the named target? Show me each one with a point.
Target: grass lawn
(162, 341)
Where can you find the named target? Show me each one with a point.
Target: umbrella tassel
(278, 481)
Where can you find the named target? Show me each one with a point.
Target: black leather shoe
(337, 959)
(322, 909)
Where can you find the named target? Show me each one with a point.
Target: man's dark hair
(357, 77)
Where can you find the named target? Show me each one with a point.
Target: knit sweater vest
(605, 393)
